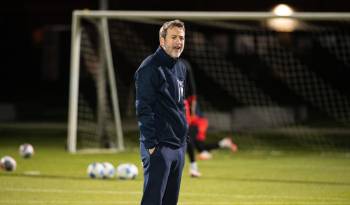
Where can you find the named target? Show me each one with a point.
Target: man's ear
(161, 41)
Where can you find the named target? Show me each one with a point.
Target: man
(161, 116)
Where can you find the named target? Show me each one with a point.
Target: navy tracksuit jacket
(160, 110)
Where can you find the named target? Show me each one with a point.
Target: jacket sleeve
(190, 82)
(145, 99)
(186, 108)
(184, 73)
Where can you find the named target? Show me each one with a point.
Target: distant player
(198, 125)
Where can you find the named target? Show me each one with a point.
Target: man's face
(174, 42)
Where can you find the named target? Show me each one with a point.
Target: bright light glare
(282, 10)
(283, 24)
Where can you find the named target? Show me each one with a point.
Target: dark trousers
(162, 174)
(195, 144)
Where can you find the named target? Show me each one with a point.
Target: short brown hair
(170, 24)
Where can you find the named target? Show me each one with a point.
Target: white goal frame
(148, 17)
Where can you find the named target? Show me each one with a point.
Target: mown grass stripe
(225, 196)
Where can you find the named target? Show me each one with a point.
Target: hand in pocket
(151, 151)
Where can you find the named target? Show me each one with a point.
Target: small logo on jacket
(180, 85)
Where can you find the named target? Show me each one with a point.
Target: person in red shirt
(198, 125)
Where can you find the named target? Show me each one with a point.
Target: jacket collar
(164, 58)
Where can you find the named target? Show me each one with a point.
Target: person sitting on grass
(198, 125)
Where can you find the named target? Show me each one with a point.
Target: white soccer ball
(127, 171)
(95, 170)
(8, 163)
(26, 150)
(108, 170)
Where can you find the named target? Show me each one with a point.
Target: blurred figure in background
(198, 125)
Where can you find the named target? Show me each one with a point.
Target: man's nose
(178, 41)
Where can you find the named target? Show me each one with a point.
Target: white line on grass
(264, 203)
(261, 196)
(211, 195)
(69, 191)
(180, 203)
(64, 202)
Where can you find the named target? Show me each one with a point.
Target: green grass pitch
(249, 177)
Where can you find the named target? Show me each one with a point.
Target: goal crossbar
(200, 15)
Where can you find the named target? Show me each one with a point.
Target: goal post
(74, 85)
(256, 72)
(106, 56)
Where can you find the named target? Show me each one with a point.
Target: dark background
(35, 46)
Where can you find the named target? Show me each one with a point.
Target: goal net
(260, 78)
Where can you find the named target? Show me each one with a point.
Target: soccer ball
(8, 163)
(108, 170)
(95, 170)
(127, 171)
(26, 150)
